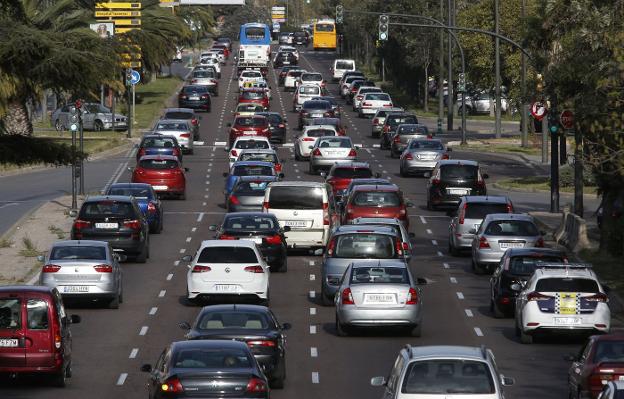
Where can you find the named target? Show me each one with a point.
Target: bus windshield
(254, 33)
(324, 27)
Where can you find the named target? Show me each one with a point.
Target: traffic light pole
(130, 120)
(553, 123)
(74, 205)
(81, 159)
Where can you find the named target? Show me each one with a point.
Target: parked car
(180, 129)
(195, 97)
(147, 199)
(452, 179)
(328, 150)
(158, 144)
(404, 134)
(184, 114)
(248, 193)
(94, 117)
(421, 156)
(164, 173)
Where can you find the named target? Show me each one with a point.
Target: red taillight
(194, 81)
(359, 97)
(367, 104)
(462, 214)
(435, 181)
(398, 246)
(234, 200)
(256, 385)
(308, 139)
(50, 269)
(265, 206)
(328, 114)
(103, 268)
(201, 269)
(278, 167)
(599, 297)
(536, 296)
(265, 343)
(316, 152)
(227, 236)
(405, 246)
(272, 240)
(254, 269)
(151, 208)
(412, 297)
(172, 384)
(509, 208)
(346, 297)
(483, 243)
(445, 156)
(183, 96)
(204, 97)
(195, 122)
(386, 129)
(331, 247)
(325, 214)
(185, 135)
(352, 153)
(133, 224)
(375, 121)
(81, 224)
(539, 243)
(409, 157)
(234, 153)
(397, 139)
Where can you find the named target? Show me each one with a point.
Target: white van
(340, 67)
(307, 207)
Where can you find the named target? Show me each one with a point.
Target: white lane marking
(194, 229)
(162, 293)
(312, 294)
(312, 277)
(204, 203)
(446, 265)
(423, 220)
(468, 313)
(200, 217)
(122, 379)
(312, 311)
(153, 311)
(429, 231)
(367, 150)
(169, 276)
(434, 242)
(188, 239)
(478, 331)
(453, 280)
(313, 352)
(143, 330)
(315, 377)
(176, 263)
(312, 263)
(440, 253)
(183, 250)
(133, 353)
(206, 196)
(312, 329)
(459, 295)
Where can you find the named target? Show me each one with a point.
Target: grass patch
(30, 250)
(56, 230)
(4, 243)
(151, 98)
(607, 267)
(536, 183)
(513, 148)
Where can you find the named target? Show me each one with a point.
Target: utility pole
(497, 123)
(81, 168)
(578, 172)
(524, 107)
(74, 126)
(553, 121)
(449, 97)
(441, 74)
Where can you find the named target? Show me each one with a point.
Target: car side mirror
(73, 213)
(41, 258)
(286, 326)
(485, 176)
(378, 381)
(516, 287)
(212, 227)
(184, 325)
(75, 319)
(421, 281)
(146, 368)
(187, 169)
(225, 174)
(130, 168)
(187, 258)
(286, 228)
(449, 149)
(507, 381)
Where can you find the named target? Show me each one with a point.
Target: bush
(23, 150)
(566, 177)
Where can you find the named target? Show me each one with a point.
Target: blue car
(247, 168)
(147, 199)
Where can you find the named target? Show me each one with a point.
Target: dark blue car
(246, 168)
(159, 144)
(146, 198)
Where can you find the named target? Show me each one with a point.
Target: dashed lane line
(315, 377)
(121, 379)
(153, 311)
(312, 329)
(143, 330)
(169, 276)
(133, 353)
(312, 311)
(162, 293)
(459, 295)
(478, 331)
(313, 352)
(468, 313)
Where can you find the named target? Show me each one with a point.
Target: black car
(206, 369)
(452, 179)
(263, 229)
(300, 38)
(516, 266)
(195, 97)
(148, 201)
(333, 102)
(281, 77)
(187, 114)
(285, 58)
(159, 144)
(356, 86)
(277, 126)
(253, 324)
(117, 220)
(392, 122)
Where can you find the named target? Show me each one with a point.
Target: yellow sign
(128, 22)
(131, 64)
(124, 30)
(567, 303)
(130, 56)
(117, 6)
(117, 14)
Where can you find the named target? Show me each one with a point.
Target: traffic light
(539, 86)
(128, 76)
(553, 122)
(339, 14)
(383, 27)
(461, 84)
(74, 118)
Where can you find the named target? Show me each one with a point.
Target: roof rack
(561, 265)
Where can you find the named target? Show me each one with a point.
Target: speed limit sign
(538, 110)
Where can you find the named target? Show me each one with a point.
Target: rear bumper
(327, 163)
(418, 167)
(371, 317)
(203, 105)
(485, 256)
(250, 290)
(368, 111)
(312, 238)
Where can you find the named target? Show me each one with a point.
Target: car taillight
(389, 105)
(194, 122)
(375, 121)
(483, 243)
(359, 97)
(346, 297)
(331, 246)
(462, 214)
(265, 206)
(539, 243)
(316, 152)
(81, 224)
(408, 156)
(304, 113)
(509, 208)
(185, 135)
(58, 338)
(254, 269)
(172, 384)
(405, 246)
(183, 96)
(194, 81)
(537, 296)
(227, 237)
(398, 247)
(445, 156)
(412, 297)
(386, 129)
(367, 104)
(201, 269)
(325, 214)
(272, 240)
(256, 385)
(278, 167)
(133, 224)
(435, 181)
(599, 297)
(141, 152)
(204, 97)
(50, 269)
(308, 139)
(397, 139)
(176, 152)
(234, 153)
(234, 200)
(265, 343)
(151, 208)
(103, 268)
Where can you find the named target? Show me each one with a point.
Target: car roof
(537, 252)
(458, 162)
(158, 135)
(475, 199)
(235, 307)
(319, 127)
(251, 138)
(252, 163)
(257, 213)
(227, 243)
(25, 288)
(508, 216)
(166, 120)
(445, 352)
(351, 164)
(369, 180)
(377, 187)
(296, 183)
(365, 228)
(120, 198)
(260, 150)
(80, 243)
(163, 157)
(380, 263)
(371, 220)
(565, 273)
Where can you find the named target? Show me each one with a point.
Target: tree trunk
(426, 106)
(16, 120)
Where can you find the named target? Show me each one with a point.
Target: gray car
(404, 134)
(248, 193)
(499, 232)
(94, 117)
(204, 77)
(466, 220)
(181, 129)
(328, 150)
(351, 243)
(421, 155)
(397, 224)
(84, 269)
(378, 294)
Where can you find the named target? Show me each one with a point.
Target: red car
(164, 172)
(255, 96)
(341, 174)
(249, 125)
(373, 201)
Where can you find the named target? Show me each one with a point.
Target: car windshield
(396, 120)
(459, 172)
(378, 199)
(250, 121)
(252, 170)
(609, 352)
(107, 208)
(176, 126)
(256, 188)
(160, 142)
(377, 97)
(564, 284)
(352, 173)
(511, 228)
(10, 314)
(252, 95)
(379, 275)
(311, 77)
(258, 156)
(194, 89)
(178, 115)
(216, 358)
(300, 198)
(138, 192)
(227, 255)
(161, 164)
(335, 142)
(235, 319)
(320, 133)
(316, 105)
(426, 145)
(274, 119)
(78, 252)
(344, 64)
(412, 130)
(324, 27)
(448, 376)
(203, 74)
(365, 246)
(525, 265)
(245, 222)
(251, 144)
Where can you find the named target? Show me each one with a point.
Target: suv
(115, 219)
(564, 299)
(436, 371)
(453, 179)
(468, 216)
(391, 124)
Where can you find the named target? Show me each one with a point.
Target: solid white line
(453, 280)
(312, 277)
(446, 265)
(122, 378)
(468, 312)
(153, 311)
(312, 294)
(429, 231)
(183, 250)
(423, 220)
(434, 242)
(312, 329)
(478, 331)
(200, 217)
(312, 311)
(133, 353)
(440, 253)
(315, 377)
(169, 276)
(162, 293)
(460, 295)
(313, 352)
(143, 330)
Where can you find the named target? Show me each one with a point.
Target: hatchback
(304, 143)
(341, 174)
(195, 97)
(253, 125)
(371, 102)
(379, 118)
(248, 193)
(290, 81)
(421, 156)
(328, 150)
(147, 199)
(384, 201)
(312, 78)
(334, 104)
(184, 114)
(347, 81)
(394, 222)
(158, 144)
(403, 135)
(391, 124)
(206, 78)
(343, 194)
(255, 96)
(451, 180)
(340, 67)
(246, 168)
(268, 155)
(285, 58)
(180, 129)
(277, 126)
(247, 109)
(164, 173)
(247, 143)
(358, 97)
(312, 109)
(341, 129)
(355, 87)
(281, 77)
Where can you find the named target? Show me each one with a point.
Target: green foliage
(22, 150)
(566, 177)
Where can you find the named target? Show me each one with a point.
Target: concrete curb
(535, 190)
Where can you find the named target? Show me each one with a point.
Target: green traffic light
(554, 129)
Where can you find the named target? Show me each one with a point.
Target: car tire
(341, 329)
(142, 257)
(278, 381)
(416, 331)
(59, 379)
(452, 250)
(525, 338)
(98, 126)
(114, 303)
(182, 196)
(498, 314)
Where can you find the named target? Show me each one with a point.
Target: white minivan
(307, 207)
(340, 67)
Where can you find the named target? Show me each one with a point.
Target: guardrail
(572, 232)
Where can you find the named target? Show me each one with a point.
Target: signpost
(126, 16)
(278, 14)
(538, 110)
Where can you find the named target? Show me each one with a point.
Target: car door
(38, 333)
(12, 322)
(89, 113)
(394, 379)
(576, 371)
(59, 311)
(157, 374)
(495, 280)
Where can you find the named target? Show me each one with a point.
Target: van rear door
(39, 332)
(12, 342)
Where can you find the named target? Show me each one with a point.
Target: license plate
(567, 321)
(225, 288)
(373, 299)
(9, 343)
(159, 188)
(317, 115)
(257, 240)
(76, 288)
(249, 133)
(511, 245)
(621, 378)
(193, 98)
(107, 225)
(458, 191)
(296, 223)
(286, 62)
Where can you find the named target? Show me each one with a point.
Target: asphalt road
(110, 345)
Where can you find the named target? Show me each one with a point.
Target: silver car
(499, 232)
(397, 224)
(94, 117)
(378, 293)
(379, 119)
(248, 193)
(204, 77)
(404, 133)
(181, 129)
(421, 156)
(84, 269)
(328, 150)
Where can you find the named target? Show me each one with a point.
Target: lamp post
(497, 123)
(449, 97)
(441, 73)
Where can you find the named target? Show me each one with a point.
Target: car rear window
(399, 120)
(227, 255)
(345, 65)
(252, 170)
(525, 265)
(370, 90)
(250, 121)
(448, 377)
(251, 144)
(107, 208)
(316, 104)
(179, 126)
(234, 319)
(426, 145)
(252, 95)
(311, 77)
(378, 199)
(273, 118)
(295, 74)
(251, 188)
(566, 285)
(78, 252)
(610, 352)
(216, 358)
(459, 172)
(302, 198)
(379, 275)
(365, 246)
(412, 130)
(377, 97)
(37, 314)
(195, 89)
(204, 74)
(263, 157)
(335, 142)
(10, 314)
(246, 222)
(160, 164)
(161, 142)
(352, 173)
(310, 90)
(178, 115)
(320, 132)
(249, 108)
(137, 192)
(475, 210)
(511, 228)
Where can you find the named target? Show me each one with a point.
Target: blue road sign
(136, 77)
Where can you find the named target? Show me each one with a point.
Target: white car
(340, 67)
(305, 141)
(211, 61)
(290, 81)
(287, 49)
(227, 269)
(249, 76)
(565, 298)
(215, 54)
(312, 78)
(247, 143)
(371, 102)
(304, 93)
(345, 84)
(357, 98)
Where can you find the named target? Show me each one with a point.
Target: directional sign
(567, 119)
(136, 77)
(117, 6)
(124, 30)
(131, 64)
(117, 14)
(128, 22)
(538, 110)
(130, 56)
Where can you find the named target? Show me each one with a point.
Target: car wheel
(341, 329)
(325, 300)
(452, 250)
(416, 331)
(182, 196)
(59, 379)
(59, 126)
(525, 338)
(114, 303)
(284, 266)
(98, 126)
(498, 314)
(142, 257)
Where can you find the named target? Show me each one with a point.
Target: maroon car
(372, 201)
(249, 125)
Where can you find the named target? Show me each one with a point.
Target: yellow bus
(324, 35)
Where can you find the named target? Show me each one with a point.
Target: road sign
(131, 64)
(136, 77)
(128, 22)
(117, 14)
(567, 119)
(538, 110)
(117, 6)
(124, 30)
(130, 56)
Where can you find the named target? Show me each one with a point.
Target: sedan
(255, 96)
(371, 102)
(255, 325)
(268, 155)
(158, 144)
(180, 129)
(246, 168)
(248, 193)
(334, 103)
(312, 109)
(195, 97)
(285, 58)
(206, 368)
(305, 141)
(385, 201)
(187, 114)
(84, 269)
(247, 143)
(376, 294)
(333, 121)
(94, 117)
(206, 78)
(164, 172)
(421, 156)
(405, 133)
(328, 150)
(253, 125)
(247, 109)
(147, 199)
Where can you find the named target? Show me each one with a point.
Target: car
(597, 366)
(303, 93)
(184, 113)
(195, 97)
(260, 228)
(517, 265)
(403, 135)
(341, 195)
(285, 58)
(285, 38)
(372, 101)
(226, 41)
(439, 371)
(281, 77)
(394, 222)
(467, 218)
(206, 78)
(391, 124)
(198, 365)
(312, 78)
(287, 49)
(256, 96)
(36, 315)
(94, 117)
(334, 103)
(351, 243)
(263, 86)
(379, 294)
(248, 109)
(291, 78)
(380, 118)
(158, 144)
(355, 87)
(229, 270)
(341, 129)
(305, 141)
(246, 168)
(346, 76)
(83, 269)
(312, 109)
(384, 201)
(248, 193)
(480, 103)
(213, 54)
(249, 125)
(499, 232)
(358, 97)
(221, 47)
(164, 173)
(212, 62)
(300, 38)
(341, 174)
(147, 199)
(117, 220)
(181, 129)
(420, 156)
(346, 83)
(308, 208)
(452, 179)
(247, 143)
(268, 155)
(565, 300)
(254, 325)
(249, 76)
(340, 67)
(277, 126)
(328, 150)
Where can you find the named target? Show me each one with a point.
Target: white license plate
(621, 378)
(76, 288)
(567, 321)
(286, 62)
(225, 288)
(9, 343)
(295, 223)
(458, 191)
(107, 225)
(511, 245)
(317, 115)
(250, 133)
(257, 240)
(159, 188)
(374, 299)
(193, 98)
